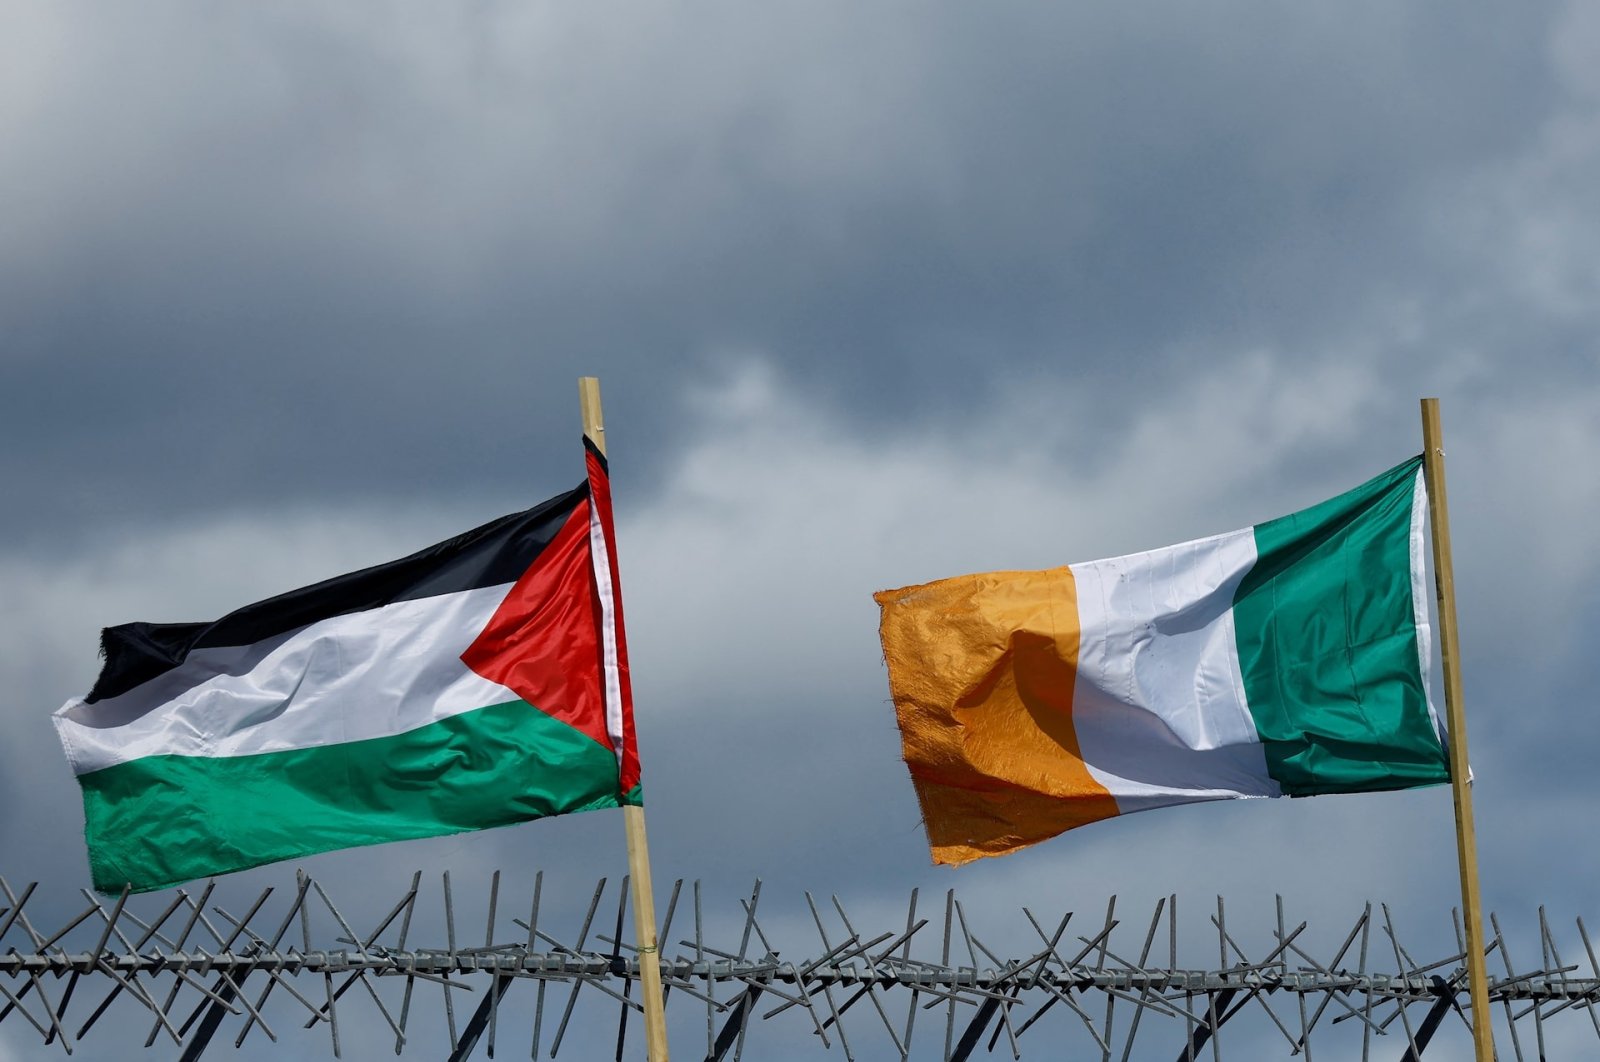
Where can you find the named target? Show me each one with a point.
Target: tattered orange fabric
(981, 669)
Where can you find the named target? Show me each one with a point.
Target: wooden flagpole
(1455, 714)
(644, 903)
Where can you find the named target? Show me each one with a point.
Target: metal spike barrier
(191, 967)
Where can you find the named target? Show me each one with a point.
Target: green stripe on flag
(1327, 640)
(163, 820)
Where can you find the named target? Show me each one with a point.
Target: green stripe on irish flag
(1290, 658)
(1331, 628)
(477, 683)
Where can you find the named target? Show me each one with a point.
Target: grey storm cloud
(272, 244)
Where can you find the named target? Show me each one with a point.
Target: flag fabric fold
(480, 682)
(1286, 659)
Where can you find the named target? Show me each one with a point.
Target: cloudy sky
(876, 294)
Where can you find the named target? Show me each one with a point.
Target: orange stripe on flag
(981, 669)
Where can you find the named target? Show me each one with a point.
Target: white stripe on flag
(601, 558)
(370, 674)
(1159, 707)
(1419, 602)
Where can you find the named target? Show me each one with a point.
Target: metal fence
(925, 986)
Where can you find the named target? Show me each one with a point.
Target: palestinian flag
(1286, 659)
(480, 682)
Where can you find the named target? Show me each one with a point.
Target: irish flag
(480, 682)
(1286, 659)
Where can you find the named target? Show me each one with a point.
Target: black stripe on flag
(498, 552)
